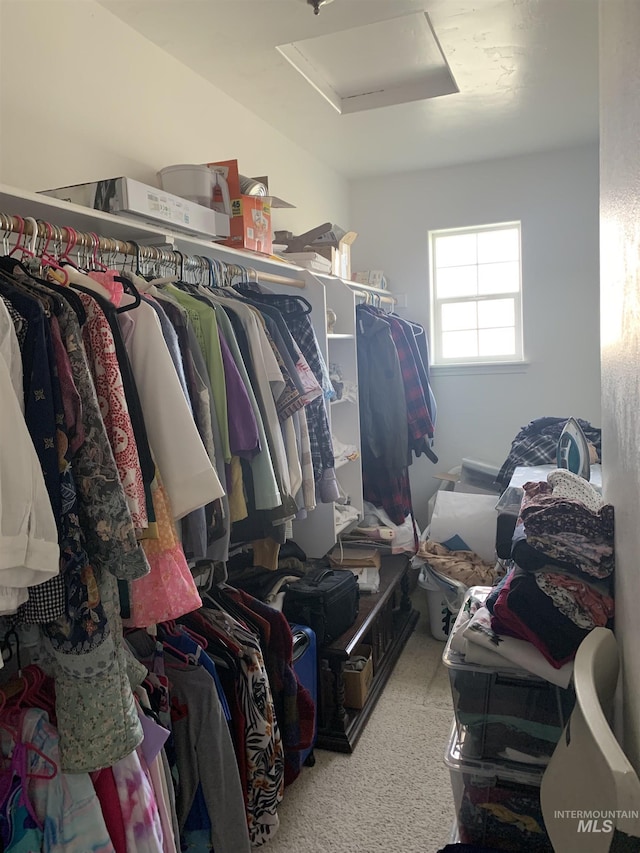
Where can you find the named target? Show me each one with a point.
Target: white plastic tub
(443, 604)
(196, 183)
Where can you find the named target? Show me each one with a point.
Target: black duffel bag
(325, 600)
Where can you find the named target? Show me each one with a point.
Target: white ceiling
(527, 71)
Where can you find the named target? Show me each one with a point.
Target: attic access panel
(375, 65)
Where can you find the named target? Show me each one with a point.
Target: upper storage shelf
(18, 202)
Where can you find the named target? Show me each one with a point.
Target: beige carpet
(393, 793)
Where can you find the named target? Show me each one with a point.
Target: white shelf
(342, 400)
(346, 526)
(319, 531)
(342, 462)
(18, 202)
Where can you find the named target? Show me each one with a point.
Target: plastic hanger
(49, 260)
(19, 238)
(130, 287)
(95, 260)
(26, 685)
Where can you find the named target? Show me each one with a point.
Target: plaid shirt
(537, 443)
(419, 421)
(299, 324)
(391, 492)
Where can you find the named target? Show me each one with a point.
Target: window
(476, 295)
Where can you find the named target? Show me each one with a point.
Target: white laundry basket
(444, 599)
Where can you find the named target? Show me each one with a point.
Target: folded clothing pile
(560, 586)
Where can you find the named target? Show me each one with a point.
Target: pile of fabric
(560, 585)
(537, 442)
(460, 565)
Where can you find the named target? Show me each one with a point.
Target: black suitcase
(325, 600)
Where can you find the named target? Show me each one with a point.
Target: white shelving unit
(319, 531)
(345, 415)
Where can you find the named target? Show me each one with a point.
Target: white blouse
(29, 551)
(187, 473)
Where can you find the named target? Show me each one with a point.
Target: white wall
(620, 308)
(555, 196)
(83, 96)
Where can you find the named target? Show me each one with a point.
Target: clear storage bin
(507, 714)
(497, 805)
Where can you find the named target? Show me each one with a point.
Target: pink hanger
(20, 235)
(49, 260)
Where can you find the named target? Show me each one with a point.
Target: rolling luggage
(305, 665)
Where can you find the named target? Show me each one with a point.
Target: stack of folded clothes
(560, 585)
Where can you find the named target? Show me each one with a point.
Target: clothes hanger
(25, 686)
(49, 260)
(17, 247)
(129, 286)
(95, 245)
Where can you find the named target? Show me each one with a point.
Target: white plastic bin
(443, 601)
(196, 183)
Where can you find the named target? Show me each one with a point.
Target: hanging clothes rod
(374, 295)
(68, 237)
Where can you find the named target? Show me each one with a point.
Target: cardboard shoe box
(358, 682)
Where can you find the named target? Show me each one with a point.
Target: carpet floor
(393, 793)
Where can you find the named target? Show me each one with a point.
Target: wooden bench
(385, 622)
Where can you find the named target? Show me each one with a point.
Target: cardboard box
(358, 682)
(250, 224)
(124, 196)
(339, 253)
(372, 278)
(250, 215)
(230, 170)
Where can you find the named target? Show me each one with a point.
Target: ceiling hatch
(375, 65)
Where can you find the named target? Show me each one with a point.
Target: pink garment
(142, 825)
(156, 775)
(103, 361)
(169, 590)
(107, 279)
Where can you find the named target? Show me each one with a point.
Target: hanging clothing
(101, 354)
(190, 479)
(143, 828)
(29, 551)
(168, 591)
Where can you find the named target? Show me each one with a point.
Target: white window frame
(435, 303)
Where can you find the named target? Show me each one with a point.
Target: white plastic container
(443, 605)
(196, 183)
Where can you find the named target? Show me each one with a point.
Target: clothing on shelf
(560, 585)
(537, 443)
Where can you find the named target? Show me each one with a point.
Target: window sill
(474, 369)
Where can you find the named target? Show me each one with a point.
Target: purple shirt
(243, 428)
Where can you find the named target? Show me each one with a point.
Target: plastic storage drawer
(497, 805)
